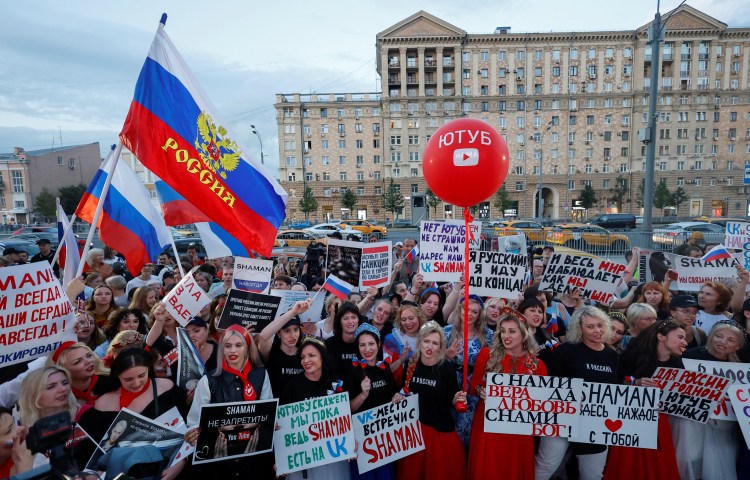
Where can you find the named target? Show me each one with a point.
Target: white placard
(252, 274)
(595, 278)
(442, 246)
(186, 299)
(496, 274)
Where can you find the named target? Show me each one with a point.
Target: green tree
(502, 200)
(588, 197)
(308, 204)
(662, 195)
(349, 199)
(44, 204)
(432, 201)
(70, 196)
(679, 196)
(640, 193)
(619, 192)
(393, 201)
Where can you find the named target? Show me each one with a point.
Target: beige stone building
(570, 105)
(23, 175)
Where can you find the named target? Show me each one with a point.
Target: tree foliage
(588, 197)
(349, 199)
(70, 196)
(393, 200)
(662, 195)
(502, 200)
(44, 204)
(432, 201)
(308, 204)
(619, 192)
(679, 196)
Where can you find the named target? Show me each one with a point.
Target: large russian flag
(178, 211)
(175, 131)
(129, 223)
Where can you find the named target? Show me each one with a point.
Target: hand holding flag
(716, 253)
(338, 287)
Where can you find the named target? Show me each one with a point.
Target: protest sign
(532, 405)
(290, 297)
(375, 270)
(388, 433)
(344, 260)
(132, 434)
(737, 235)
(313, 432)
(512, 243)
(595, 278)
(692, 273)
(35, 314)
(442, 246)
(247, 308)
(186, 299)
(172, 419)
(234, 430)
(190, 366)
(252, 274)
(740, 398)
(737, 373)
(622, 415)
(652, 265)
(496, 274)
(691, 395)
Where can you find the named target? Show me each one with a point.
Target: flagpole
(176, 255)
(99, 207)
(65, 233)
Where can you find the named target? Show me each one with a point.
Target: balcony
(703, 56)
(429, 62)
(684, 73)
(684, 56)
(667, 57)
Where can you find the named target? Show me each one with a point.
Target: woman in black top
(586, 355)
(533, 311)
(341, 346)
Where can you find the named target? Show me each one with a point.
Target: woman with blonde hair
(144, 300)
(639, 316)
(96, 263)
(402, 341)
(89, 378)
(492, 307)
(513, 350)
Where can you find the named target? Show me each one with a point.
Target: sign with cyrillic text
(375, 269)
(691, 395)
(186, 299)
(737, 373)
(595, 278)
(442, 246)
(252, 274)
(692, 273)
(496, 274)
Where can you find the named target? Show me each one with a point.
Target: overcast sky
(68, 69)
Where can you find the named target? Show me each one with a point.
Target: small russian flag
(412, 255)
(338, 287)
(552, 326)
(716, 253)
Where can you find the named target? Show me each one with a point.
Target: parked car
(329, 228)
(535, 232)
(298, 238)
(35, 230)
(590, 238)
(615, 220)
(365, 227)
(300, 225)
(25, 245)
(720, 220)
(674, 234)
(401, 223)
(182, 245)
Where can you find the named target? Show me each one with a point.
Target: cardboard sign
(235, 430)
(691, 395)
(344, 260)
(738, 373)
(442, 246)
(190, 366)
(496, 274)
(388, 433)
(737, 235)
(376, 266)
(35, 314)
(740, 398)
(186, 299)
(290, 297)
(532, 405)
(621, 415)
(252, 274)
(694, 272)
(313, 432)
(595, 278)
(247, 308)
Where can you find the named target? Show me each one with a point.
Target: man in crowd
(46, 253)
(167, 264)
(282, 282)
(13, 255)
(192, 252)
(143, 279)
(410, 264)
(226, 282)
(118, 284)
(537, 269)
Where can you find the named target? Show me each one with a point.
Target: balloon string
(469, 236)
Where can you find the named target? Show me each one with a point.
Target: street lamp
(261, 143)
(540, 207)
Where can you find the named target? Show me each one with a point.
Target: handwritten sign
(388, 433)
(235, 430)
(313, 432)
(691, 395)
(595, 278)
(737, 235)
(35, 314)
(621, 415)
(496, 274)
(290, 297)
(693, 272)
(442, 246)
(252, 274)
(738, 373)
(375, 270)
(247, 308)
(740, 398)
(344, 260)
(186, 299)
(532, 405)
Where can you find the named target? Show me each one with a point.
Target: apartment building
(570, 106)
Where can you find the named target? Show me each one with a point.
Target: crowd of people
(381, 345)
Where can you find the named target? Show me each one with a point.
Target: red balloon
(465, 162)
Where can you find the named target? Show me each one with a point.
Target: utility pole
(655, 34)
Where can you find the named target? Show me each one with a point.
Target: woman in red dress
(512, 351)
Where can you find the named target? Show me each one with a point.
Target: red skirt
(518, 450)
(443, 457)
(627, 463)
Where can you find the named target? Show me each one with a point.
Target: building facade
(23, 176)
(570, 106)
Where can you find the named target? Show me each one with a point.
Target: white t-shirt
(138, 282)
(706, 321)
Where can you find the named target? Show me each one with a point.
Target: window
(359, 143)
(571, 184)
(342, 159)
(342, 144)
(573, 71)
(342, 176)
(413, 156)
(290, 145)
(484, 56)
(326, 160)
(519, 186)
(60, 161)
(502, 55)
(360, 160)
(520, 55)
(395, 157)
(592, 53)
(72, 163)
(377, 176)
(16, 177)
(519, 170)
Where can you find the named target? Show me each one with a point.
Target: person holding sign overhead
(512, 351)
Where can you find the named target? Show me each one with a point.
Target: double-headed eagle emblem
(219, 152)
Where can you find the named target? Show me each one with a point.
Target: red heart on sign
(613, 425)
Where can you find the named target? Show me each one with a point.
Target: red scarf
(248, 392)
(87, 395)
(127, 397)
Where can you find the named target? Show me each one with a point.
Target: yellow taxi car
(298, 238)
(365, 227)
(535, 232)
(590, 238)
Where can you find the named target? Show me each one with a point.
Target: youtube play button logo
(465, 157)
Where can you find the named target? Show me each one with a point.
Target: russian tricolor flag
(129, 223)
(716, 253)
(338, 287)
(412, 255)
(175, 131)
(178, 211)
(69, 263)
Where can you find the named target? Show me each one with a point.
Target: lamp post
(540, 207)
(255, 131)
